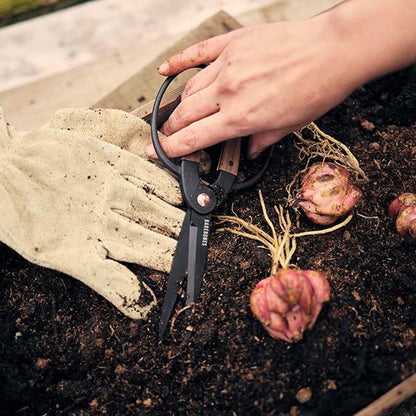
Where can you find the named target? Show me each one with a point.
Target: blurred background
(67, 53)
(12, 11)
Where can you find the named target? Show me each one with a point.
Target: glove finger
(148, 210)
(148, 178)
(128, 132)
(143, 173)
(118, 285)
(152, 179)
(110, 125)
(133, 243)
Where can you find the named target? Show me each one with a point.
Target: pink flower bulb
(289, 302)
(403, 209)
(326, 193)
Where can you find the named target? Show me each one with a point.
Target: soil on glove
(66, 351)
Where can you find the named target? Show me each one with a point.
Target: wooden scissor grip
(230, 156)
(169, 102)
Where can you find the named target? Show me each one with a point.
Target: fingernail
(150, 152)
(252, 156)
(164, 68)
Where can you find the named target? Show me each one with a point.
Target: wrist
(374, 38)
(338, 59)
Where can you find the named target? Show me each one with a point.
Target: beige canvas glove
(110, 125)
(76, 204)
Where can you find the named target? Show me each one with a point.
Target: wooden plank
(143, 86)
(32, 105)
(391, 399)
(169, 102)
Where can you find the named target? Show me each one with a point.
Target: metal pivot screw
(203, 199)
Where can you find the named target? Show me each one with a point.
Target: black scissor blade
(177, 274)
(197, 254)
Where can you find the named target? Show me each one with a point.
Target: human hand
(80, 205)
(265, 81)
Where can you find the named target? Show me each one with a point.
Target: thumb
(261, 141)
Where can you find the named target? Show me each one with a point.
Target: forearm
(375, 37)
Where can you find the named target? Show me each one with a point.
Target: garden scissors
(201, 199)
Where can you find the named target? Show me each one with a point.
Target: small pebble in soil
(250, 377)
(120, 369)
(42, 363)
(400, 301)
(99, 342)
(367, 125)
(293, 411)
(331, 385)
(147, 402)
(156, 276)
(304, 395)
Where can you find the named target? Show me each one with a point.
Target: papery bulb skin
(327, 193)
(289, 302)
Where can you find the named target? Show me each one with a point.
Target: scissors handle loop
(173, 167)
(227, 173)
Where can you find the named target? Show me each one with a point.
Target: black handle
(173, 167)
(256, 178)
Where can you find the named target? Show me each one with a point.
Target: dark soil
(66, 351)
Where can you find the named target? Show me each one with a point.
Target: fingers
(197, 106)
(261, 141)
(200, 53)
(162, 184)
(109, 125)
(147, 176)
(200, 80)
(198, 135)
(133, 243)
(141, 206)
